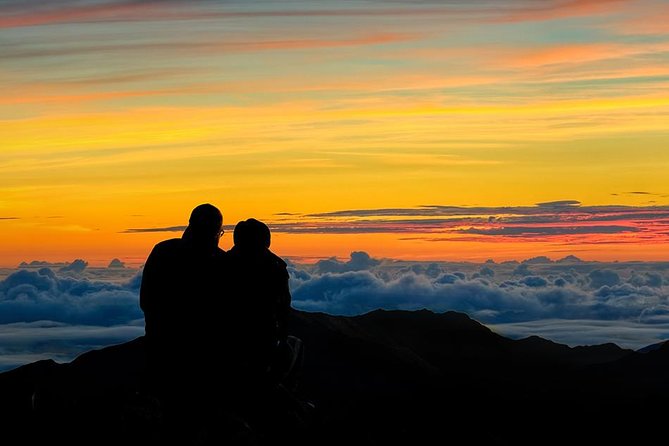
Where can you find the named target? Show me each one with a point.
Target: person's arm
(148, 285)
(283, 297)
(152, 287)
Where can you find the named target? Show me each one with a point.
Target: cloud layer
(62, 312)
(47, 314)
(538, 293)
(28, 296)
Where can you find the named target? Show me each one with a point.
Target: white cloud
(573, 332)
(25, 342)
(77, 266)
(43, 295)
(634, 296)
(359, 260)
(58, 315)
(47, 314)
(116, 263)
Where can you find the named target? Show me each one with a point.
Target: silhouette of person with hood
(179, 295)
(267, 359)
(260, 297)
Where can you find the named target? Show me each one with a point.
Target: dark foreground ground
(383, 378)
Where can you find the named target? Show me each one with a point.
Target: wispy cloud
(34, 13)
(565, 220)
(528, 231)
(645, 21)
(158, 229)
(207, 47)
(560, 219)
(530, 11)
(559, 203)
(562, 207)
(581, 53)
(652, 194)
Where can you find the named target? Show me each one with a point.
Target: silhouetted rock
(385, 377)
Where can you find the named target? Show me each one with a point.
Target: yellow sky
(129, 120)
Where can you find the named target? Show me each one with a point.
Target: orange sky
(337, 125)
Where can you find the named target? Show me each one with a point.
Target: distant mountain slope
(386, 377)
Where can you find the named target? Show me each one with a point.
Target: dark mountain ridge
(385, 377)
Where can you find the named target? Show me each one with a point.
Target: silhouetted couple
(216, 323)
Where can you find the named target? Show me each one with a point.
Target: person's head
(251, 234)
(204, 224)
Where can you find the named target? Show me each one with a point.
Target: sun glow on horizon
(118, 116)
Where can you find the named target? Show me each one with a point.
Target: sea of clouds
(59, 311)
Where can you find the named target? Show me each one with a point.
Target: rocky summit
(382, 378)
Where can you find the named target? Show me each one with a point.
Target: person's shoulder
(220, 254)
(170, 242)
(279, 260)
(276, 260)
(231, 253)
(168, 245)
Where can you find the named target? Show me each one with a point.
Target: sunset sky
(415, 130)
